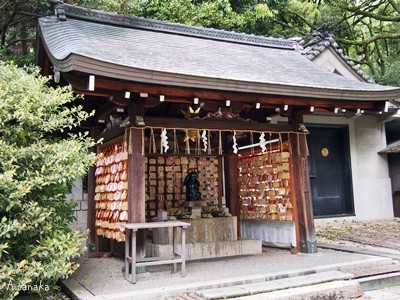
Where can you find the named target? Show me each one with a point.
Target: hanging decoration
(152, 142)
(164, 140)
(111, 191)
(191, 112)
(204, 138)
(186, 140)
(208, 141)
(263, 142)
(190, 136)
(198, 144)
(235, 146)
(176, 146)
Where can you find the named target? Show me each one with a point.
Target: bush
(39, 161)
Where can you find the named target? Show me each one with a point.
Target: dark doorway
(392, 129)
(330, 170)
(394, 170)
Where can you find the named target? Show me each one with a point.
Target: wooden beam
(97, 93)
(137, 111)
(110, 84)
(105, 110)
(252, 98)
(216, 124)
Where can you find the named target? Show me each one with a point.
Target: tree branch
(375, 16)
(395, 6)
(370, 40)
(301, 18)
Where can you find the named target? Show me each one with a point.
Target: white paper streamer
(263, 142)
(235, 148)
(164, 139)
(204, 138)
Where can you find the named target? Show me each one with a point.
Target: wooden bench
(131, 262)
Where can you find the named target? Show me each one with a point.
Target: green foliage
(37, 169)
(180, 11)
(17, 29)
(392, 75)
(368, 31)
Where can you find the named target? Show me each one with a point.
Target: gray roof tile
(250, 66)
(322, 39)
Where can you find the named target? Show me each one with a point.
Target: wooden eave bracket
(184, 95)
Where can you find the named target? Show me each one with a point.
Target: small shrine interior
(248, 164)
(221, 138)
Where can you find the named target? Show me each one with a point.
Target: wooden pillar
(302, 191)
(91, 216)
(136, 184)
(91, 185)
(231, 186)
(136, 172)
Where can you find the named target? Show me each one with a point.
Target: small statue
(192, 187)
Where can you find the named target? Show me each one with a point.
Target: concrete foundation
(204, 230)
(205, 238)
(209, 250)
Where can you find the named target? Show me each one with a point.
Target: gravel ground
(381, 233)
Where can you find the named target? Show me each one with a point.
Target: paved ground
(103, 276)
(391, 293)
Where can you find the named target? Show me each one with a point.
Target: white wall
(331, 61)
(372, 187)
(370, 174)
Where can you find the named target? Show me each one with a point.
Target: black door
(330, 173)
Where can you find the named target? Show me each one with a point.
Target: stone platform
(204, 230)
(205, 238)
(196, 251)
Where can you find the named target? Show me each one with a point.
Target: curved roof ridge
(322, 39)
(93, 15)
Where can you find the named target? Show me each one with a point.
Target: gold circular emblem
(325, 152)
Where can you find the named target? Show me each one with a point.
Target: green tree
(17, 28)
(37, 168)
(368, 30)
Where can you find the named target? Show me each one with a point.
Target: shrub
(39, 161)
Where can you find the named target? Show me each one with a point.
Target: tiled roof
(165, 53)
(175, 28)
(322, 39)
(391, 148)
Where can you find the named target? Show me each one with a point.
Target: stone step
(375, 251)
(273, 285)
(373, 271)
(185, 296)
(330, 290)
(379, 281)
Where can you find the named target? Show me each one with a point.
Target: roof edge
(93, 15)
(84, 64)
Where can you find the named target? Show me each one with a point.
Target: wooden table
(130, 250)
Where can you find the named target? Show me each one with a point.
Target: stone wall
(79, 196)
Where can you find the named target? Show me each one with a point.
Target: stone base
(209, 250)
(204, 230)
(194, 204)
